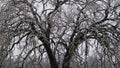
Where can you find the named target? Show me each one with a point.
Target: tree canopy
(60, 33)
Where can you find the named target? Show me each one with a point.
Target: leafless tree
(64, 33)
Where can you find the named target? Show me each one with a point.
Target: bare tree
(66, 32)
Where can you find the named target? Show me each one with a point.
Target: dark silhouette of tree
(62, 32)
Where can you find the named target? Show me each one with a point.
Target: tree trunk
(66, 61)
(68, 55)
(52, 59)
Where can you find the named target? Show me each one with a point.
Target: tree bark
(52, 59)
(71, 49)
(66, 61)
